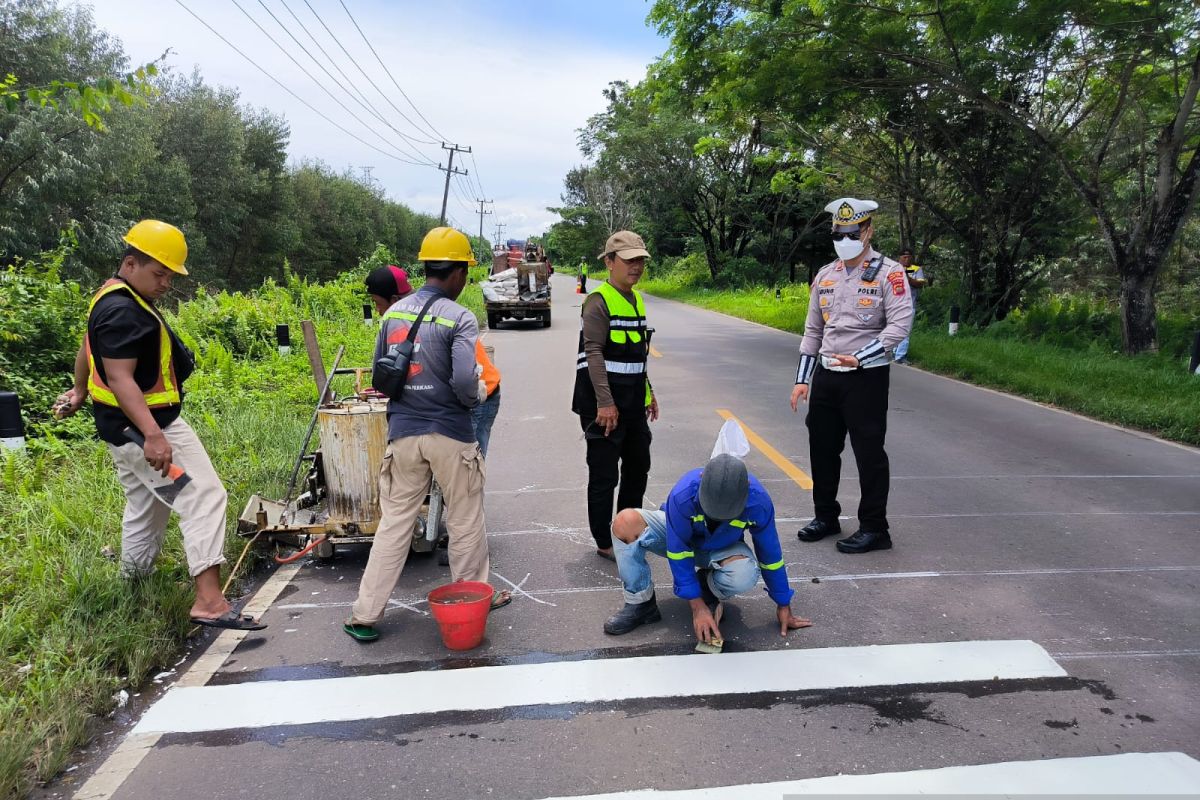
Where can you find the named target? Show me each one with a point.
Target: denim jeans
(482, 416)
(726, 580)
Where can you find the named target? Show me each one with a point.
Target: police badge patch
(896, 279)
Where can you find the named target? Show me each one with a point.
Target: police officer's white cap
(851, 210)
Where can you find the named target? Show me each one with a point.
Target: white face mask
(847, 248)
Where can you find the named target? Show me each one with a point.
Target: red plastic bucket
(461, 610)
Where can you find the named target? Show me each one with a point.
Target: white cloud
(514, 95)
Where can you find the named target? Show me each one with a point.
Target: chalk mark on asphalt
(516, 587)
(535, 489)
(1010, 573)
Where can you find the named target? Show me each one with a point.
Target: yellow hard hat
(446, 244)
(161, 241)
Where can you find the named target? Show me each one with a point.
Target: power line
(355, 93)
(462, 201)
(389, 73)
(280, 84)
(368, 77)
(478, 181)
(320, 85)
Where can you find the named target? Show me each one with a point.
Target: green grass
(1153, 393)
(72, 631)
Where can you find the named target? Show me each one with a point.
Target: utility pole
(500, 226)
(367, 176)
(482, 213)
(450, 171)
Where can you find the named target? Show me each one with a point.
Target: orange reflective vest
(491, 375)
(165, 391)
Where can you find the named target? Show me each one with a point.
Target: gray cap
(724, 487)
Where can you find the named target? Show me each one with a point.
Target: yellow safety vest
(165, 391)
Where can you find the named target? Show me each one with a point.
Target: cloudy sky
(513, 80)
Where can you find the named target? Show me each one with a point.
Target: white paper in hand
(731, 440)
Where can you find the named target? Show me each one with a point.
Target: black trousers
(621, 459)
(855, 403)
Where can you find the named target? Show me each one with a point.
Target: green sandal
(361, 633)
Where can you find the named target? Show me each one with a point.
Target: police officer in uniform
(613, 397)
(859, 310)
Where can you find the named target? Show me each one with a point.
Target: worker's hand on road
(845, 361)
(789, 621)
(704, 624)
(798, 394)
(606, 418)
(652, 409)
(158, 452)
(68, 403)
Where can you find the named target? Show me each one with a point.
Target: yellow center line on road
(654, 352)
(791, 470)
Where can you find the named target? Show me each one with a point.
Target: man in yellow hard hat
(430, 430)
(133, 366)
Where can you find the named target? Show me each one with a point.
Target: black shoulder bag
(390, 373)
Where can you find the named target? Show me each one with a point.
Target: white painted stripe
(1130, 654)
(535, 489)
(851, 578)
(1127, 773)
(272, 703)
(107, 779)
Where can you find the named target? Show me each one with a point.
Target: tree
(1103, 89)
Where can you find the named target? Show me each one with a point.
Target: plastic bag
(731, 440)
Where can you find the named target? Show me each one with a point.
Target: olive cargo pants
(408, 465)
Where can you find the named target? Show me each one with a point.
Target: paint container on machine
(461, 611)
(12, 428)
(283, 338)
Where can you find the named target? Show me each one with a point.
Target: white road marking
(273, 703)
(107, 779)
(853, 577)
(1123, 774)
(535, 489)
(1131, 654)
(998, 514)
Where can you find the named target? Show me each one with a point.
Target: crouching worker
(134, 366)
(701, 531)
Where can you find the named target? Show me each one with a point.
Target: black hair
(907, 250)
(442, 270)
(135, 254)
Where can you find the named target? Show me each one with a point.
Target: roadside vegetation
(1061, 350)
(73, 633)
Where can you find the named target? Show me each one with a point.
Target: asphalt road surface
(1034, 628)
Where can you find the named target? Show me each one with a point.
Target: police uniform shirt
(851, 316)
(119, 328)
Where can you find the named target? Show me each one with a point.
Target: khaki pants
(408, 465)
(200, 506)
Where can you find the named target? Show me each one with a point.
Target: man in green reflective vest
(613, 396)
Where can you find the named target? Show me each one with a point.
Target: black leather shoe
(633, 615)
(818, 529)
(864, 542)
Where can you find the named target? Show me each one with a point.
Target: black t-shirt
(120, 328)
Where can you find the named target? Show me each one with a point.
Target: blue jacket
(687, 534)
